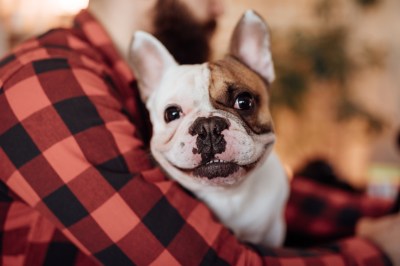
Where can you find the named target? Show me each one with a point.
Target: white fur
(250, 43)
(158, 60)
(252, 206)
(249, 203)
(254, 210)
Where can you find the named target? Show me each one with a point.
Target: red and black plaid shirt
(77, 186)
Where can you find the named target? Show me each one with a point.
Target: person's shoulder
(55, 48)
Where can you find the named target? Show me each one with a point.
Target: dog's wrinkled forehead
(228, 79)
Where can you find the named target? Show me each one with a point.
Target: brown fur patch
(229, 78)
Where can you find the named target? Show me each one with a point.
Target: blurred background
(337, 93)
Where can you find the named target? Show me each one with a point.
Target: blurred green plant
(311, 57)
(367, 3)
(348, 109)
(321, 55)
(325, 52)
(290, 88)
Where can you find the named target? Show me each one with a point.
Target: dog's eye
(172, 113)
(244, 101)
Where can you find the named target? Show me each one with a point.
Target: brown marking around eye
(230, 77)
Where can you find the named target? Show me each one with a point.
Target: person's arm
(318, 213)
(69, 152)
(385, 232)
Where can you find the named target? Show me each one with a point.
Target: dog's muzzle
(210, 140)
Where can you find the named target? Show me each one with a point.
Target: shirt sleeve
(318, 213)
(69, 151)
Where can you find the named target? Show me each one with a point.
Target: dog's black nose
(209, 126)
(209, 141)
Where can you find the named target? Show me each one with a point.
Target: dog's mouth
(216, 168)
(219, 171)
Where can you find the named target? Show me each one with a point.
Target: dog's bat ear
(149, 59)
(250, 44)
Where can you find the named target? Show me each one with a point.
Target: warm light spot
(70, 6)
(25, 18)
(52, 7)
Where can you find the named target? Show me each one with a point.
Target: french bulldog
(212, 128)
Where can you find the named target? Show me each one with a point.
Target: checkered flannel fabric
(320, 214)
(78, 187)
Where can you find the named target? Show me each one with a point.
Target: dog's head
(211, 122)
